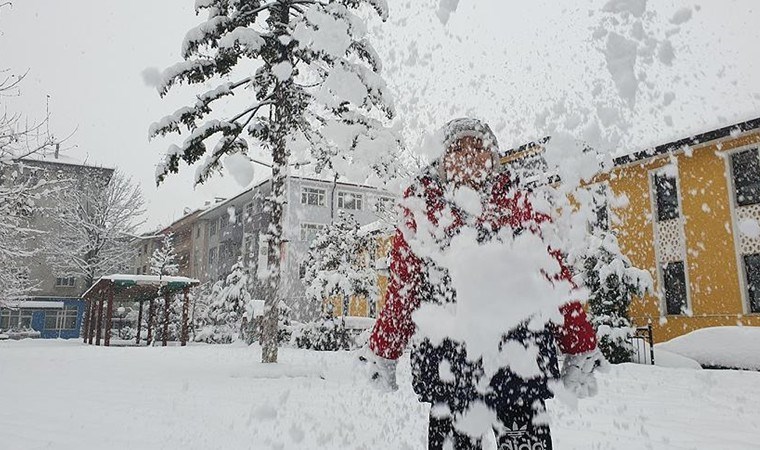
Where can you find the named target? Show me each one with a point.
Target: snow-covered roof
(61, 159)
(380, 226)
(147, 281)
(33, 304)
(358, 322)
(671, 147)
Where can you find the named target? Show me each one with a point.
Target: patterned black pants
(517, 432)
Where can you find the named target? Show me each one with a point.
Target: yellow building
(693, 220)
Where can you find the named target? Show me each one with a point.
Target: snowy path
(63, 395)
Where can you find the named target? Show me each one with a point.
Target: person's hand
(380, 371)
(578, 372)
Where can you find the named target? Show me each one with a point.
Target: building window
(65, 282)
(223, 221)
(145, 249)
(197, 232)
(350, 200)
(674, 279)
(20, 319)
(247, 247)
(249, 211)
(212, 228)
(262, 263)
(302, 270)
(211, 257)
(384, 204)
(745, 167)
(752, 268)
(666, 193)
(312, 196)
(309, 231)
(61, 319)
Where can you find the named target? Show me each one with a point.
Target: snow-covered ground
(64, 395)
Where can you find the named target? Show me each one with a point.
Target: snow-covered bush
(337, 264)
(327, 334)
(223, 319)
(174, 318)
(612, 283)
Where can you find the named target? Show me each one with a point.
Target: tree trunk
(269, 338)
(282, 124)
(165, 333)
(150, 322)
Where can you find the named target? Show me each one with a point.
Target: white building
(238, 226)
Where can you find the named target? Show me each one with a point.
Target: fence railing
(641, 339)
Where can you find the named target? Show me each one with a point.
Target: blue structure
(52, 317)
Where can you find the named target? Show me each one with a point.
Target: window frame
(383, 204)
(66, 282)
(212, 256)
(752, 307)
(733, 173)
(664, 271)
(736, 231)
(8, 315)
(659, 212)
(262, 255)
(308, 191)
(358, 197)
(305, 226)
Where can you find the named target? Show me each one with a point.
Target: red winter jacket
(505, 207)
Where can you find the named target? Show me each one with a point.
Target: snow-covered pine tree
(163, 262)
(229, 300)
(337, 264)
(612, 282)
(306, 77)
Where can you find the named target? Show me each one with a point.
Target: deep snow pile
(64, 395)
(732, 347)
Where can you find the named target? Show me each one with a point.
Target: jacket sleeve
(576, 335)
(395, 326)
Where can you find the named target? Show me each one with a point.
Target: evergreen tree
(163, 261)
(229, 300)
(307, 81)
(338, 264)
(613, 282)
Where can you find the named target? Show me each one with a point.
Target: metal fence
(643, 345)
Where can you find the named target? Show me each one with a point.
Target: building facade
(53, 307)
(690, 216)
(236, 229)
(693, 220)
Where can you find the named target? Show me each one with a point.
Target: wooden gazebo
(135, 288)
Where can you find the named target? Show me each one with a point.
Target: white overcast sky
(503, 60)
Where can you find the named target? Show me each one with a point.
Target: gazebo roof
(139, 287)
